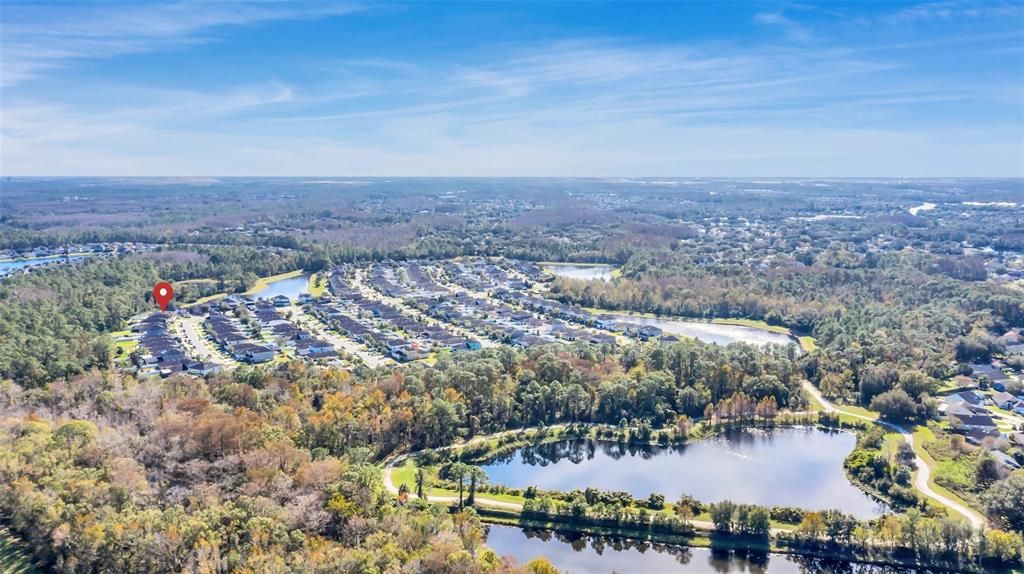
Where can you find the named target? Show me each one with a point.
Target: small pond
(790, 466)
(708, 332)
(580, 554)
(586, 272)
(291, 288)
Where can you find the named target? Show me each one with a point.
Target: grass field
(922, 436)
(126, 347)
(313, 289)
(808, 344)
(756, 324)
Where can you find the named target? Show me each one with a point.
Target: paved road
(372, 360)
(924, 472)
(202, 349)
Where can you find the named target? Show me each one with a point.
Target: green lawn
(808, 344)
(922, 436)
(854, 409)
(756, 324)
(126, 347)
(313, 289)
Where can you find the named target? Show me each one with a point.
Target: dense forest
(252, 469)
(892, 321)
(277, 469)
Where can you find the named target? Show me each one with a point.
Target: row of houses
(968, 414)
(45, 251)
(287, 334)
(164, 352)
(482, 275)
(384, 326)
(494, 320)
(227, 332)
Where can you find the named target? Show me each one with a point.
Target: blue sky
(534, 88)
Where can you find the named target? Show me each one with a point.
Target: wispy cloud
(953, 10)
(795, 93)
(40, 37)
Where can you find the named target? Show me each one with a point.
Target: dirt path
(924, 472)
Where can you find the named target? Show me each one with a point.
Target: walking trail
(924, 472)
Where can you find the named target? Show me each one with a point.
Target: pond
(290, 288)
(10, 265)
(581, 554)
(923, 207)
(585, 272)
(709, 332)
(789, 466)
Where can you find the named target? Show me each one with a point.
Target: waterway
(708, 332)
(790, 466)
(580, 554)
(585, 272)
(291, 288)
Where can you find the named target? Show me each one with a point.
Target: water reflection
(799, 467)
(291, 288)
(586, 272)
(580, 554)
(716, 333)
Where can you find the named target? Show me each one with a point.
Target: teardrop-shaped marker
(163, 293)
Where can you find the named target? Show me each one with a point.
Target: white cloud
(593, 106)
(40, 37)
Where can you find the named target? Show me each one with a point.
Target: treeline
(871, 321)
(939, 542)
(465, 394)
(53, 322)
(159, 478)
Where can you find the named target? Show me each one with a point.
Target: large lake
(709, 332)
(586, 272)
(597, 555)
(790, 466)
(291, 288)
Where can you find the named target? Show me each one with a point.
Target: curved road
(924, 472)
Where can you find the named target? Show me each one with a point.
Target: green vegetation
(275, 468)
(14, 559)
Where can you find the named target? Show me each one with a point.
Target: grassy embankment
(922, 435)
(807, 343)
(313, 289)
(406, 472)
(959, 471)
(263, 282)
(258, 286)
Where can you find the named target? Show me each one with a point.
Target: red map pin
(163, 293)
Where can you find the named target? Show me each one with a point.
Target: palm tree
(421, 483)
